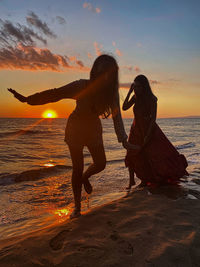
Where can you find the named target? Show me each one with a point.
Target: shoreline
(140, 229)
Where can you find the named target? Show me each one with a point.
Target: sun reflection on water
(62, 212)
(49, 164)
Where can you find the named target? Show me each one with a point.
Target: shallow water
(35, 170)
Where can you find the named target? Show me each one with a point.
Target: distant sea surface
(35, 169)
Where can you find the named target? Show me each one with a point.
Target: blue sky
(157, 38)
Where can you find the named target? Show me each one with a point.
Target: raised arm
(128, 103)
(71, 90)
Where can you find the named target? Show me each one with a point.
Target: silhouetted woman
(94, 97)
(157, 161)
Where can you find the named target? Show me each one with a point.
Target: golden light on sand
(49, 114)
(62, 212)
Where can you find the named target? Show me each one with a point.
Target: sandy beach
(140, 229)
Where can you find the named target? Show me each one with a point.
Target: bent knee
(101, 166)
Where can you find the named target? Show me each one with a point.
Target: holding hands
(129, 146)
(20, 97)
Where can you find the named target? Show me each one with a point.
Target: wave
(23, 132)
(194, 154)
(31, 175)
(114, 161)
(186, 145)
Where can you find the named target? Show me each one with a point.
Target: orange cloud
(98, 48)
(98, 10)
(18, 49)
(89, 55)
(34, 58)
(131, 68)
(137, 69)
(91, 8)
(118, 52)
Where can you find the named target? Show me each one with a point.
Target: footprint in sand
(92, 251)
(57, 242)
(5, 250)
(180, 232)
(114, 236)
(125, 247)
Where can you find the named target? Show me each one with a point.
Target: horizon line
(189, 116)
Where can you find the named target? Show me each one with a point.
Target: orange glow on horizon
(49, 114)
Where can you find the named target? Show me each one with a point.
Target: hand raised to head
(20, 97)
(131, 88)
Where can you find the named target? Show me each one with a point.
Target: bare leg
(76, 153)
(131, 178)
(99, 162)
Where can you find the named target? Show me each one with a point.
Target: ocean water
(35, 170)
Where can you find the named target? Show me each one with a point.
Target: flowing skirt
(159, 161)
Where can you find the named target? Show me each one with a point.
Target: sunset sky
(46, 44)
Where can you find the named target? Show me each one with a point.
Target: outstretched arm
(71, 90)
(20, 97)
(128, 103)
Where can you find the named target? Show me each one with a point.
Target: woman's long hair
(144, 82)
(144, 99)
(104, 82)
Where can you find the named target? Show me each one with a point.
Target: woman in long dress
(157, 161)
(97, 96)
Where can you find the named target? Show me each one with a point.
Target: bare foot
(87, 185)
(142, 184)
(130, 185)
(75, 214)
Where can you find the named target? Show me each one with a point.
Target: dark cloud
(60, 20)
(33, 19)
(173, 80)
(12, 34)
(128, 85)
(80, 63)
(154, 82)
(18, 49)
(131, 68)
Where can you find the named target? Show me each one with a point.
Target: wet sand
(141, 229)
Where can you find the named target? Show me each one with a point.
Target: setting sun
(49, 114)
